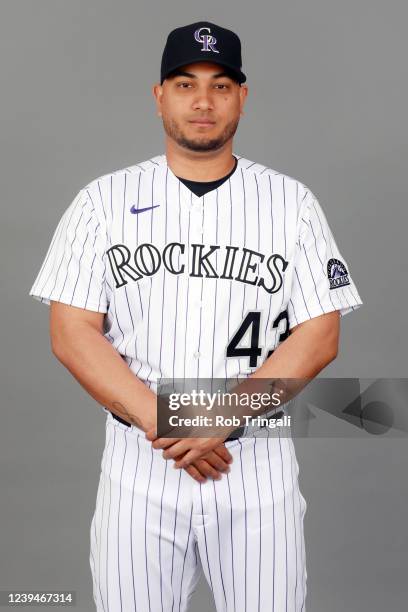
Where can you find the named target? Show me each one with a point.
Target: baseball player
(197, 263)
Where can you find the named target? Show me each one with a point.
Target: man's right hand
(212, 465)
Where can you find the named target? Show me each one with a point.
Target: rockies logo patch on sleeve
(337, 273)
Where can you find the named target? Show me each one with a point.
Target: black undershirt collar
(200, 188)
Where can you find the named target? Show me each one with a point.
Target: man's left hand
(191, 448)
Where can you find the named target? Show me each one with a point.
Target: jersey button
(196, 354)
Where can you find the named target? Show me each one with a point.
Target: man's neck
(199, 166)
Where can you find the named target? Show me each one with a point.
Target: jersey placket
(194, 303)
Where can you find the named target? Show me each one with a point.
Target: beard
(202, 143)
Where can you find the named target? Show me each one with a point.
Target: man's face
(200, 106)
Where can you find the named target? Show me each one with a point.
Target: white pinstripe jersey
(196, 286)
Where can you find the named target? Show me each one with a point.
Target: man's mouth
(202, 122)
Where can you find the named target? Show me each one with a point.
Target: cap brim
(241, 77)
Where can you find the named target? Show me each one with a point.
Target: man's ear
(243, 95)
(157, 91)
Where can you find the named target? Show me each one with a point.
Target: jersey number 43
(251, 326)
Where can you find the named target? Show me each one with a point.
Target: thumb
(151, 434)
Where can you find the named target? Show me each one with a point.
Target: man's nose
(203, 100)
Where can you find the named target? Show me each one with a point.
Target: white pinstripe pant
(155, 527)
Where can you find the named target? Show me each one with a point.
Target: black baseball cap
(202, 41)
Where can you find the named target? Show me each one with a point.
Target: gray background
(327, 105)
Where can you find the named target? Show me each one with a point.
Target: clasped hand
(199, 456)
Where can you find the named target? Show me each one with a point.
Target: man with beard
(199, 264)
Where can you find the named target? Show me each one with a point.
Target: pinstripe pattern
(247, 529)
(257, 207)
(175, 283)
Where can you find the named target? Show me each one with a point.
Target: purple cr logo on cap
(208, 40)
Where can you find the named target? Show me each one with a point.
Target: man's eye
(222, 85)
(182, 84)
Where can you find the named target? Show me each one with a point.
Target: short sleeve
(73, 270)
(321, 280)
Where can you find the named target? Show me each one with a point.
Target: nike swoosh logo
(135, 211)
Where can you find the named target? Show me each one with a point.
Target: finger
(195, 473)
(151, 434)
(200, 470)
(207, 469)
(216, 461)
(224, 453)
(164, 442)
(194, 452)
(179, 448)
(190, 456)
